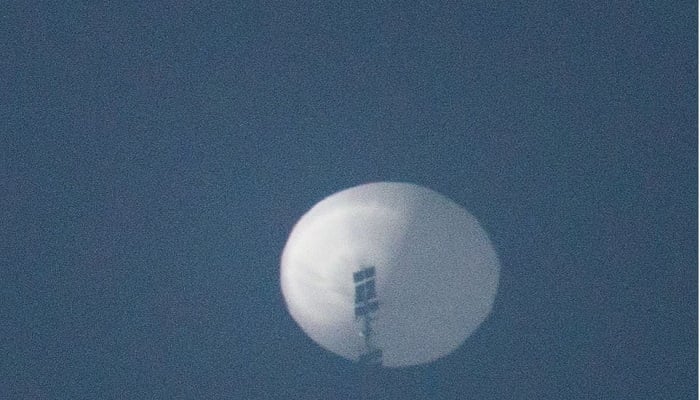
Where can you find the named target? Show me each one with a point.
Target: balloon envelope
(436, 272)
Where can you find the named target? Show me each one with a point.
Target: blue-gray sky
(154, 157)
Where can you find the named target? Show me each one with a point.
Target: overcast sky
(154, 158)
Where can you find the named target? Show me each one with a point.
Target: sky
(154, 158)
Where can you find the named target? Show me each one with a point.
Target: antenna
(366, 304)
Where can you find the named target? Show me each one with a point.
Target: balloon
(436, 272)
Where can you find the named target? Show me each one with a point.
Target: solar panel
(358, 276)
(360, 311)
(370, 292)
(365, 291)
(367, 308)
(365, 273)
(359, 294)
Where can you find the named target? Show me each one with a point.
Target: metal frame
(366, 304)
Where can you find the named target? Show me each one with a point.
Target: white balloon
(436, 272)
